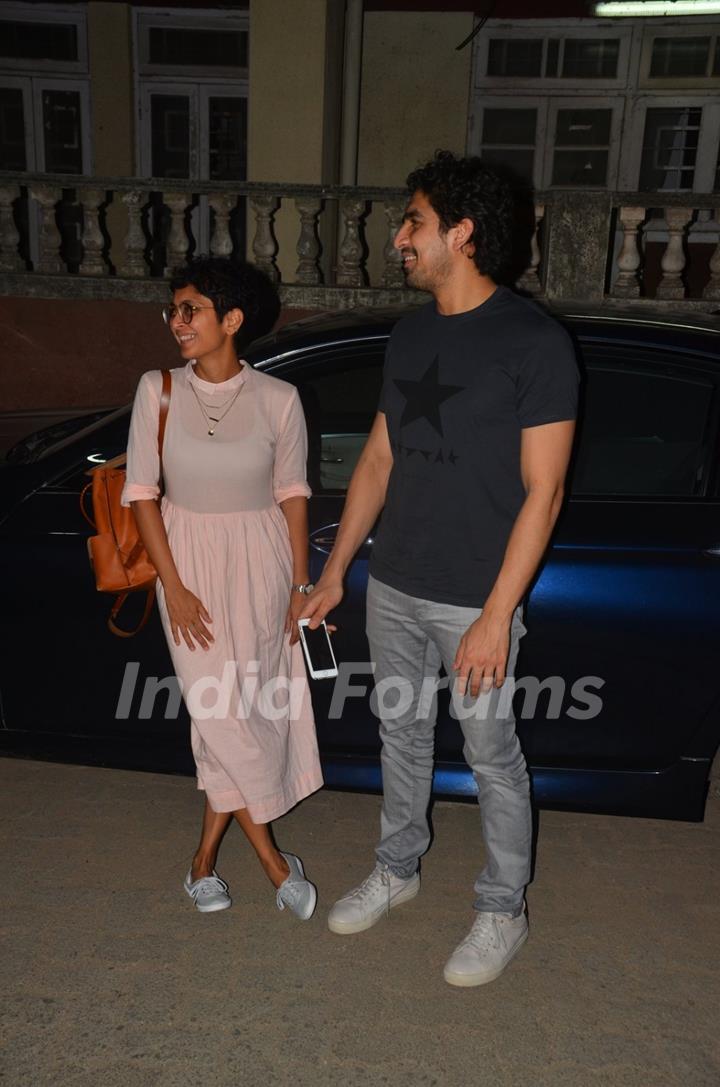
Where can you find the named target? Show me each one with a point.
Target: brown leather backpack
(117, 554)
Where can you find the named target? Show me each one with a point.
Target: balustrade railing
(327, 246)
(124, 229)
(684, 232)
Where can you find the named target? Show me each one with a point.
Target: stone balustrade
(687, 235)
(118, 237)
(332, 247)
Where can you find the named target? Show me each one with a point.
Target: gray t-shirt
(457, 392)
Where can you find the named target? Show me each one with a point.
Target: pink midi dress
(252, 727)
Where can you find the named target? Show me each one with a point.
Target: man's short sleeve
(547, 380)
(383, 401)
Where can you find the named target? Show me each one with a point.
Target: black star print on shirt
(424, 397)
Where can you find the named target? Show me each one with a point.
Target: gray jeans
(410, 638)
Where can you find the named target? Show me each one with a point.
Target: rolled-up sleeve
(290, 467)
(143, 463)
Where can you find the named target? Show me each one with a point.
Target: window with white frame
(669, 150)
(196, 47)
(508, 58)
(588, 58)
(197, 132)
(13, 144)
(509, 138)
(212, 43)
(192, 87)
(552, 142)
(532, 53)
(192, 82)
(581, 147)
(553, 58)
(673, 57)
(590, 104)
(671, 143)
(43, 37)
(681, 56)
(44, 89)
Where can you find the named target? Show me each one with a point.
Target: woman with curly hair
(229, 542)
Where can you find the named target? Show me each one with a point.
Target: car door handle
(712, 552)
(324, 539)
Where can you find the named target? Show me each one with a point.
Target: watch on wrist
(305, 589)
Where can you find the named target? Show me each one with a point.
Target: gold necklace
(213, 407)
(211, 421)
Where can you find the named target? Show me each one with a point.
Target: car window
(642, 432)
(340, 399)
(98, 447)
(42, 443)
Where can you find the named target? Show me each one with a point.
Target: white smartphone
(318, 650)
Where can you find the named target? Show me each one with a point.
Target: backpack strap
(87, 489)
(163, 413)
(119, 601)
(150, 595)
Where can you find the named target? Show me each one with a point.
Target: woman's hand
(188, 617)
(293, 614)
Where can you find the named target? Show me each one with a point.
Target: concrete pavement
(111, 978)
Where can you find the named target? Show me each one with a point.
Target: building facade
(630, 105)
(135, 134)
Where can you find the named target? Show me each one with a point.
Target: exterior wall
(111, 80)
(286, 99)
(81, 353)
(415, 87)
(111, 83)
(293, 100)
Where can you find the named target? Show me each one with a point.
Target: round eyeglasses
(186, 311)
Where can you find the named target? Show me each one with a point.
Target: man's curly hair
(465, 188)
(232, 284)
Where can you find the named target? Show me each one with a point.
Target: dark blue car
(618, 685)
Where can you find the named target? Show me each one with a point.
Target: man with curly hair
(466, 460)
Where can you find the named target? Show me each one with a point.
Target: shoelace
(483, 934)
(209, 885)
(287, 893)
(368, 887)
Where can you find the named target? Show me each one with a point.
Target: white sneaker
(493, 940)
(377, 895)
(210, 893)
(297, 893)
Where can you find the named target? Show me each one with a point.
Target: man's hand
(482, 655)
(326, 595)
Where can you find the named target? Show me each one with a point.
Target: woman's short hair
(232, 284)
(465, 188)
